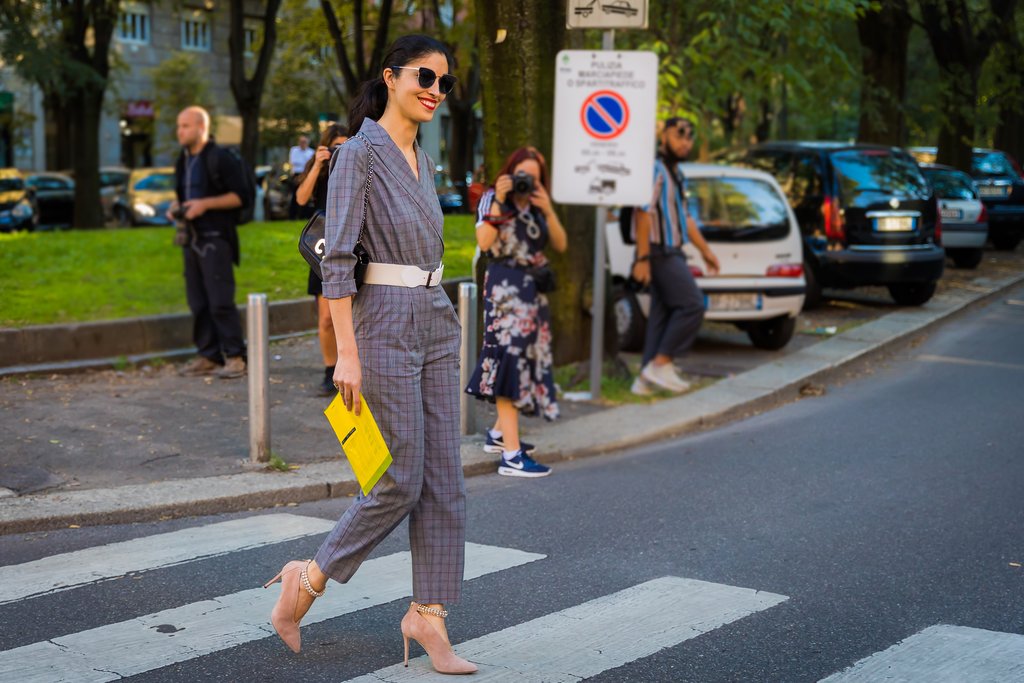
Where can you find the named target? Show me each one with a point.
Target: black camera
(179, 213)
(181, 227)
(522, 183)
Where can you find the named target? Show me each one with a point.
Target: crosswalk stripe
(155, 640)
(940, 654)
(598, 635)
(68, 570)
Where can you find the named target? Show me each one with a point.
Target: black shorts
(315, 286)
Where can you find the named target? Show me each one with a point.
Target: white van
(748, 223)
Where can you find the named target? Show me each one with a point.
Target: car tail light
(696, 271)
(983, 216)
(938, 222)
(834, 227)
(785, 270)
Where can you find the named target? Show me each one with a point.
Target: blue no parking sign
(605, 114)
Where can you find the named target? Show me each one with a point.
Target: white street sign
(605, 109)
(606, 14)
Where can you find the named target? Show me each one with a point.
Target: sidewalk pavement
(128, 462)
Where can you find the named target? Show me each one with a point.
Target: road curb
(585, 436)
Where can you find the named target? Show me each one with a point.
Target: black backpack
(247, 211)
(626, 224)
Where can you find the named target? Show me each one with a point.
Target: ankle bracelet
(304, 578)
(423, 609)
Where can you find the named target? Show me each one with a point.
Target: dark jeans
(677, 305)
(210, 289)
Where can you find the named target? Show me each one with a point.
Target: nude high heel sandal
(443, 659)
(293, 578)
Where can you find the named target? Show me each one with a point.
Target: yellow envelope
(361, 441)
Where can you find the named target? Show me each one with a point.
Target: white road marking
(152, 641)
(68, 570)
(943, 654)
(930, 358)
(598, 635)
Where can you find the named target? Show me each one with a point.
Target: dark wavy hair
(335, 130)
(372, 96)
(525, 154)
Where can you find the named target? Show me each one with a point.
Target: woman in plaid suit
(398, 345)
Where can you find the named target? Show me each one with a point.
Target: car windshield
(991, 164)
(951, 184)
(880, 171)
(157, 182)
(11, 184)
(737, 209)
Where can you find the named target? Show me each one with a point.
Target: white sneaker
(665, 377)
(641, 387)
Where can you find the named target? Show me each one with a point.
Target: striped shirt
(667, 208)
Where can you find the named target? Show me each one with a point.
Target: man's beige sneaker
(641, 387)
(234, 367)
(200, 366)
(664, 376)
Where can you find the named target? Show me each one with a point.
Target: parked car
(866, 214)
(277, 192)
(743, 215)
(54, 195)
(1000, 188)
(447, 193)
(17, 206)
(147, 197)
(964, 219)
(113, 182)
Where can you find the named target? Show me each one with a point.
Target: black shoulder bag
(312, 243)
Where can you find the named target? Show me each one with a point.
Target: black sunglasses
(427, 77)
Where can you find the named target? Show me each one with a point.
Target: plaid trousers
(408, 343)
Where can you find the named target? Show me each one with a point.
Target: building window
(195, 31)
(251, 32)
(133, 24)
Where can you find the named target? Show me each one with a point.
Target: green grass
(81, 275)
(615, 387)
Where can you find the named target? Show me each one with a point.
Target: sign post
(605, 110)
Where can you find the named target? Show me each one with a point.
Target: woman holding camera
(515, 222)
(313, 186)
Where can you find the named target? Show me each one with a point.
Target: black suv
(1001, 188)
(866, 214)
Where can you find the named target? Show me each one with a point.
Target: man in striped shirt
(662, 228)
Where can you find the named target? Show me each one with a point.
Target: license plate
(894, 224)
(953, 214)
(993, 190)
(733, 302)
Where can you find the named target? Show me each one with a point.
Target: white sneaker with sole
(664, 376)
(641, 387)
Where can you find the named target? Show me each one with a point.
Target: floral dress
(515, 361)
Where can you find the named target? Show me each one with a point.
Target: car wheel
(629, 320)
(966, 258)
(773, 334)
(812, 295)
(912, 294)
(1005, 242)
(123, 218)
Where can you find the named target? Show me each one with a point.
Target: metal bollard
(258, 329)
(467, 355)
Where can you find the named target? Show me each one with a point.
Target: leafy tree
(1008, 91)
(359, 66)
(884, 33)
(248, 90)
(64, 47)
(961, 35)
(179, 81)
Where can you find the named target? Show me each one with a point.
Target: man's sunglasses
(427, 77)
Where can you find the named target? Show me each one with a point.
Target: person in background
(662, 228)
(516, 221)
(313, 187)
(298, 157)
(210, 187)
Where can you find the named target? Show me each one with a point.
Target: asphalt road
(888, 505)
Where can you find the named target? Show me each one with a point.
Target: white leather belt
(402, 276)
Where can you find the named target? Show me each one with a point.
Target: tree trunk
(518, 79)
(1009, 134)
(87, 212)
(884, 37)
(460, 143)
(248, 92)
(57, 126)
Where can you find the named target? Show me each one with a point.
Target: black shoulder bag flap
(312, 242)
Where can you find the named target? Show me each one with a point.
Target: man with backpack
(215, 194)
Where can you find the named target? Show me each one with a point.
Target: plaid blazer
(404, 223)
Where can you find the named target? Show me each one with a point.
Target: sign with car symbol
(606, 14)
(605, 111)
